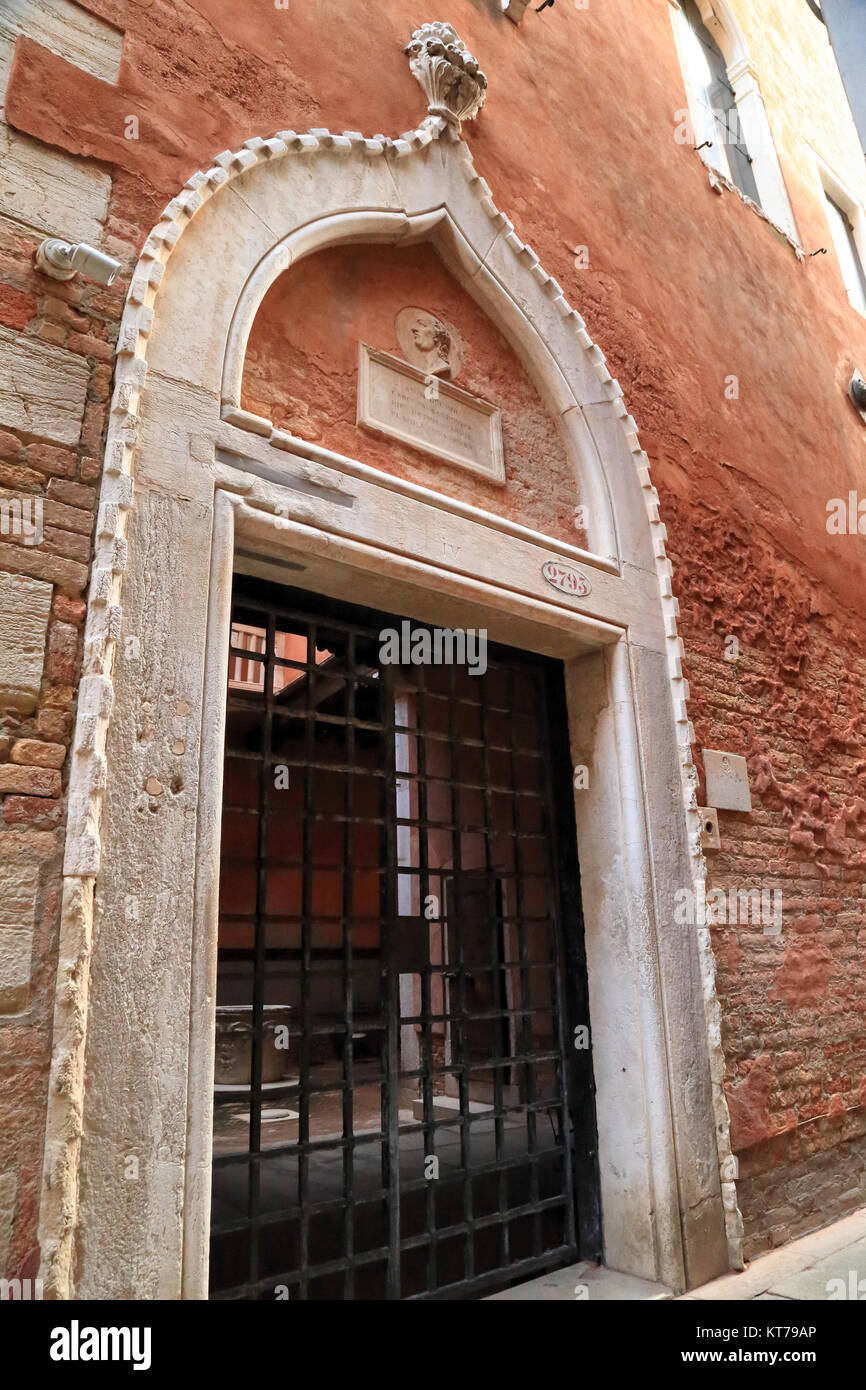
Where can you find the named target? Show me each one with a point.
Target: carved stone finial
(454, 83)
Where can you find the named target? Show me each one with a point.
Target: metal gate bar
(348, 1051)
(391, 1069)
(325, 705)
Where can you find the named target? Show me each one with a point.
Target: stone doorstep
(603, 1286)
(778, 1272)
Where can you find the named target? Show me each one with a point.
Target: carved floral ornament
(454, 83)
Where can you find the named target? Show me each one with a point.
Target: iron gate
(399, 1109)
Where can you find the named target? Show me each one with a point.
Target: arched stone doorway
(196, 488)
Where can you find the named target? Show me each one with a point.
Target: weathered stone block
(31, 753)
(62, 652)
(29, 781)
(32, 810)
(50, 189)
(15, 949)
(25, 604)
(27, 845)
(8, 1192)
(49, 459)
(69, 30)
(73, 494)
(54, 724)
(42, 388)
(19, 884)
(23, 559)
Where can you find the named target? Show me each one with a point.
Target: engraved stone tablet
(429, 414)
(727, 780)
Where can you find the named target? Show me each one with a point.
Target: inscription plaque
(727, 780)
(429, 414)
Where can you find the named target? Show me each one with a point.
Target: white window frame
(754, 122)
(831, 186)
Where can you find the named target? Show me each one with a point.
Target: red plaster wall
(573, 162)
(684, 288)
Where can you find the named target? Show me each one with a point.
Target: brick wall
(59, 333)
(793, 703)
(56, 364)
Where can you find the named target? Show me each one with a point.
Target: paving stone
(800, 1270)
(848, 1264)
(603, 1285)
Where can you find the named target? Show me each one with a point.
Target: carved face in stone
(427, 342)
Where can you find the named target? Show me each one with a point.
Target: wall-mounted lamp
(61, 260)
(857, 392)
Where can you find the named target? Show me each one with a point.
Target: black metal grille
(398, 1111)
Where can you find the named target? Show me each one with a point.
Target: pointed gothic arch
(191, 482)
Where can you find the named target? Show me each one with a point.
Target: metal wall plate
(710, 838)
